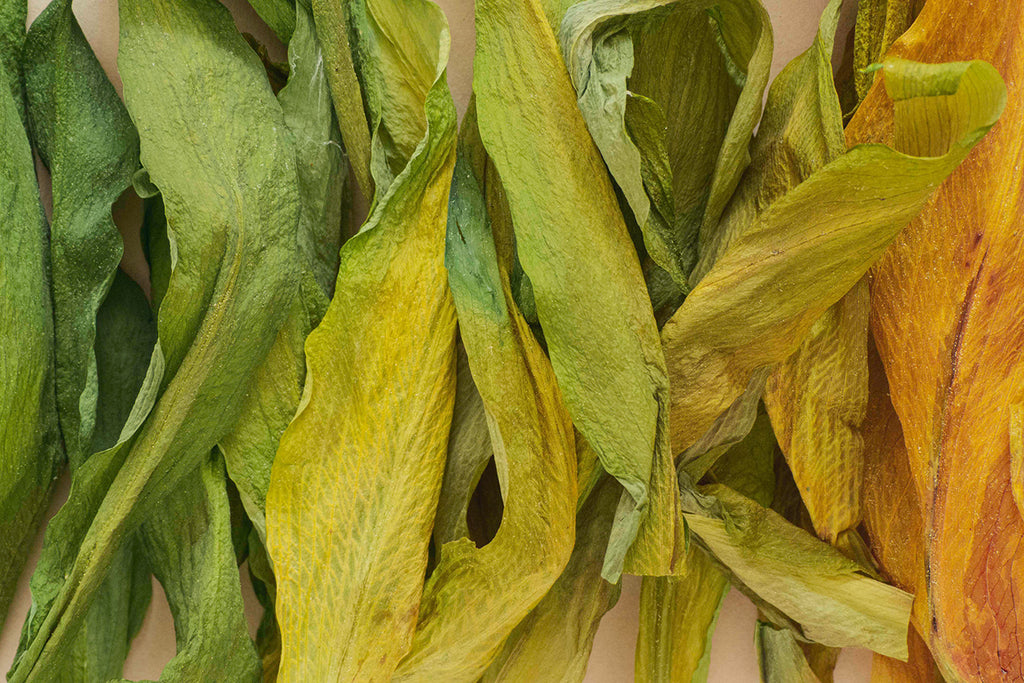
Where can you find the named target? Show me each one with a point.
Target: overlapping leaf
(213, 141)
(586, 279)
(678, 613)
(676, 140)
(476, 596)
(557, 636)
(87, 141)
(808, 585)
(276, 389)
(189, 548)
(798, 256)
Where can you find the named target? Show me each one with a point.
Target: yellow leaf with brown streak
(948, 317)
(892, 508)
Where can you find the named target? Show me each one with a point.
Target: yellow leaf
(355, 483)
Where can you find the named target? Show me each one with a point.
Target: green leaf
(321, 161)
(801, 131)
(780, 657)
(188, 545)
(365, 453)
(802, 252)
(279, 15)
(476, 596)
(13, 16)
(469, 452)
(824, 594)
(678, 613)
(276, 388)
(214, 142)
(87, 141)
(676, 140)
(85, 137)
(587, 283)
(30, 450)
(557, 636)
(334, 26)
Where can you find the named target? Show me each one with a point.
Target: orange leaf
(948, 316)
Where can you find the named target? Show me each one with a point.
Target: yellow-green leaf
(804, 251)
(476, 596)
(355, 483)
(557, 636)
(587, 283)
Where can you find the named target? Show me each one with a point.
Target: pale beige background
(732, 656)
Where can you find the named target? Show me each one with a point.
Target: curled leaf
(806, 249)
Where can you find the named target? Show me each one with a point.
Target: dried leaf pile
(644, 311)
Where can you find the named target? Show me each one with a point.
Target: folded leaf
(321, 162)
(279, 15)
(676, 140)
(557, 636)
(355, 482)
(879, 24)
(276, 388)
(677, 619)
(86, 139)
(678, 613)
(800, 132)
(189, 548)
(946, 311)
(919, 667)
(811, 583)
(476, 596)
(469, 452)
(805, 250)
(781, 659)
(30, 450)
(227, 175)
(334, 25)
(594, 310)
(90, 146)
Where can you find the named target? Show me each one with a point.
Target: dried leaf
(781, 659)
(227, 176)
(806, 249)
(594, 311)
(30, 449)
(476, 596)
(189, 548)
(365, 454)
(557, 636)
(825, 594)
(84, 136)
(678, 613)
(946, 312)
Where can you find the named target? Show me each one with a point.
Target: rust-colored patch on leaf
(948, 316)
